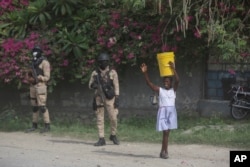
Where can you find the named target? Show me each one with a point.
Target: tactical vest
(107, 84)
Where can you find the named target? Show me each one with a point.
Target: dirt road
(35, 150)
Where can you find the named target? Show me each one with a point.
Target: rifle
(100, 90)
(34, 72)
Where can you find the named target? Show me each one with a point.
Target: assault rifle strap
(101, 78)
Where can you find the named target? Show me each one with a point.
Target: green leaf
(77, 51)
(4, 25)
(84, 46)
(42, 18)
(63, 10)
(78, 76)
(68, 8)
(47, 15)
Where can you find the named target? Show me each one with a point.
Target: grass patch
(191, 129)
(212, 131)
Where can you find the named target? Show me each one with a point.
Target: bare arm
(144, 70)
(176, 83)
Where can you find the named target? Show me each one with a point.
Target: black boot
(46, 128)
(33, 128)
(114, 139)
(101, 142)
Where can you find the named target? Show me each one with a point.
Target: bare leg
(164, 147)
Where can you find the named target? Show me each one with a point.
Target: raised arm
(144, 70)
(176, 76)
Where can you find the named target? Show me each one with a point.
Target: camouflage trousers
(38, 99)
(112, 114)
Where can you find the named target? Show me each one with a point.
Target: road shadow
(111, 153)
(70, 142)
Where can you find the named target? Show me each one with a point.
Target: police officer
(104, 81)
(38, 77)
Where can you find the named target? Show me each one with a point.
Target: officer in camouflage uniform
(38, 77)
(104, 81)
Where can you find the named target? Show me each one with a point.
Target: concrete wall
(76, 99)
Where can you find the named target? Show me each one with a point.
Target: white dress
(167, 116)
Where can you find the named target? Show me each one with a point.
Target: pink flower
(114, 24)
(156, 38)
(245, 54)
(120, 51)
(138, 37)
(118, 60)
(115, 15)
(65, 63)
(231, 71)
(109, 45)
(135, 24)
(101, 41)
(18, 73)
(47, 52)
(6, 80)
(24, 2)
(178, 38)
(197, 33)
(114, 56)
(90, 62)
(233, 8)
(189, 18)
(25, 81)
(34, 36)
(148, 28)
(5, 3)
(30, 44)
(112, 40)
(174, 48)
(54, 30)
(101, 30)
(132, 34)
(130, 55)
(221, 4)
(165, 48)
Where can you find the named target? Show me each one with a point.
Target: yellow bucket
(163, 62)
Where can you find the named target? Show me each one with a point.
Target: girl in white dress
(167, 116)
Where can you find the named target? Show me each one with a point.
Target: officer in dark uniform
(38, 76)
(104, 81)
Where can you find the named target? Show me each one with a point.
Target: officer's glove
(94, 85)
(31, 80)
(116, 103)
(40, 78)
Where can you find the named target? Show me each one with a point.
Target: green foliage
(134, 5)
(38, 13)
(64, 7)
(15, 24)
(132, 31)
(9, 119)
(7, 113)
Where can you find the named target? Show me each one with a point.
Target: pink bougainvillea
(16, 57)
(128, 38)
(5, 4)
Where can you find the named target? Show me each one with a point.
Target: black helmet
(36, 53)
(37, 49)
(103, 57)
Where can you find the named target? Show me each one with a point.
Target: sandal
(164, 155)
